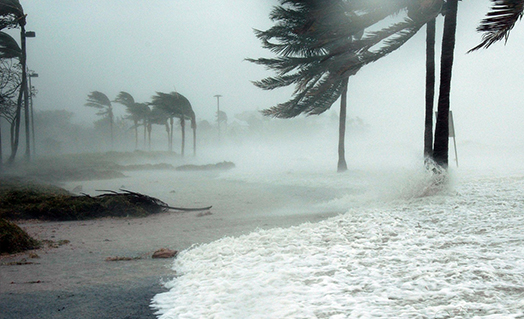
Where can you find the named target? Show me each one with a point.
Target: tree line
(320, 44)
(163, 109)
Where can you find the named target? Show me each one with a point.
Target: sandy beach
(74, 280)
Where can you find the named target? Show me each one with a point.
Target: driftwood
(139, 198)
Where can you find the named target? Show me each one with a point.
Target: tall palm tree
(100, 101)
(430, 88)
(320, 44)
(441, 143)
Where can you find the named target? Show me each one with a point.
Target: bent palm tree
(100, 101)
(137, 112)
(321, 44)
(176, 105)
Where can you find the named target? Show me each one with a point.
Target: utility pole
(218, 96)
(32, 74)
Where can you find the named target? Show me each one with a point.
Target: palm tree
(176, 105)
(441, 144)
(321, 44)
(430, 88)
(9, 49)
(12, 14)
(160, 117)
(142, 111)
(100, 101)
(499, 21)
(137, 112)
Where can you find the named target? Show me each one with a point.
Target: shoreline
(75, 280)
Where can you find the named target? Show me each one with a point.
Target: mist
(280, 206)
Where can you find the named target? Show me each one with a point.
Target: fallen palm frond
(31, 204)
(141, 199)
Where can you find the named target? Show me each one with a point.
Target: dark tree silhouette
(320, 44)
(100, 101)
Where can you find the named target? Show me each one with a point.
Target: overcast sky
(198, 47)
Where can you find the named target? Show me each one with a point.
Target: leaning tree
(101, 102)
(137, 112)
(175, 105)
(320, 44)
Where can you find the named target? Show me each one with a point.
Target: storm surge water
(401, 250)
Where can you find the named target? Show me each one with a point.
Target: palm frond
(98, 99)
(125, 99)
(9, 47)
(499, 22)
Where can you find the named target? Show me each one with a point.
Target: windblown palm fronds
(9, 47)
(319, 44)
(499, 22)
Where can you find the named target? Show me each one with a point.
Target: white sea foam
(459, 254)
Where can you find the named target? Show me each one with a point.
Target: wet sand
(75, 280)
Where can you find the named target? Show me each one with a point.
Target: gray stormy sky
(198, 47)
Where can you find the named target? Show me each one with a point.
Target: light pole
(32, 74)
(218, 96)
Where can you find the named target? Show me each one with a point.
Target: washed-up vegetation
(13, 239)
(33, 203)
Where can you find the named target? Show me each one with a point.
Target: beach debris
(202, 214)
(164, 253)
(209, 167)
(20, 262)
(145, 200)
(122, 258)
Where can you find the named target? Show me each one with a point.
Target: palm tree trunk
(149, 129)
(145, 133)
(183, 127)
(111, 127)
(342, 166)
(136, 134)
(430, 88)
(169, 138)
(15, 125)
(194, 127)
(441, 146)
(171, 135)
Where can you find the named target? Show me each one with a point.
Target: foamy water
(401, 250)
(458, 254)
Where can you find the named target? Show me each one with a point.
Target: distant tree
(321, 44)
(137, 112)
(175, 105)
(159, 117)
(100, 101)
